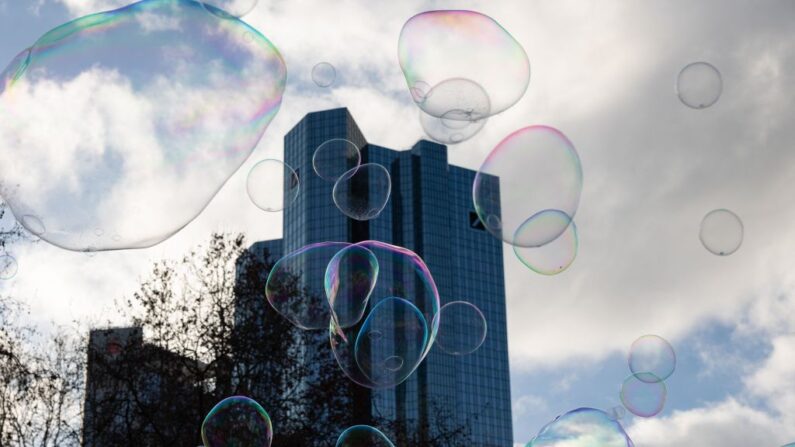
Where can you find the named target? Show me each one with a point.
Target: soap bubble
(296, 285)
(450, 131)
(532, 170)
(644, 398)
(363, 192)
(8, 267)
(651, 358)
(462, 328)
(721, 232)
(349, 280)
(229, 8)
(457, 99)
(555, 256)
(419, 91)
(583, 427)
(334, 158)
(699, 85)
(363, 436)
(436, 46)
(132, 120)
(237, 421)
(33, 224)
(272, 185)
(324, 74)
(403, 321)
(400, 345)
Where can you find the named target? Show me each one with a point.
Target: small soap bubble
(324, 74)
(462, 328)
(334, 158)
(363, 436)
(644, 398)
(363, 192)
(699, 85)
(652, 358)
(237, 421)
(583, 427)
(721, 232)
(272, 185)
(8, 267)
(229, 8)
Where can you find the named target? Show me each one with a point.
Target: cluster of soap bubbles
(363, 436)
(378, 301)
(527, 192)
(721, 232)
(583, 427)
(462, 328)
(237, 421)
(651, 360)
(103, 115)
(457, 93)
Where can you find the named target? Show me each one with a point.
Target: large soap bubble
(237, 421)
(363, 192)
(462, 328)
(721, 232)
(555, 256)
(363, 436)
(643, 394)
(651, 358)
(436, 46)
(130, 121)
(583, 427)
(296, 285)
(272, 185)
(399, 331)
(699, 85)
(532, 170)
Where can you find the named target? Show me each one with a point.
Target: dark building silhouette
(430, 212)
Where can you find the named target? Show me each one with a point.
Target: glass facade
(430, 212)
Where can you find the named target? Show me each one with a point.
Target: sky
(603, 73)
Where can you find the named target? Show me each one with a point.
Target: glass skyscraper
(430, 212)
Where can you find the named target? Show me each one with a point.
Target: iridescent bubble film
(324, 74)
(400, 326)
(652, 358)
(334, 158)
(699, 85)
(237, 422)
(617, 413)
(363, 192)
(230, 8)
(272, 185)
(8, 267)
(462, 328)
(644, 398)
(436, 46)
(556, 255)
(532, 170)
(296, 285)
(363, 436)
(721, 232)
(131, 120)
(349, 280)
(583, 427)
